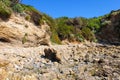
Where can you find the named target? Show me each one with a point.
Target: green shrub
(88, 34)
(49, 20)
(7, 2)
(26, 26)
(64, 31)
(71, 37)
(24, 39)
(5, 12)
(53, 28)
(27, 18)
(94, 24)
(55, 38)
(79, 37)
(18, 8)
(43, 20)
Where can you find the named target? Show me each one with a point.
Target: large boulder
(52, 55)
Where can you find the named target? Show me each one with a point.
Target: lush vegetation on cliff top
(63, 28)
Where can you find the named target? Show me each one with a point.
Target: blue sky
(74, 8)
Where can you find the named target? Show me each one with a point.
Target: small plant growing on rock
(26, 26)
(27, 18)
(24, 39)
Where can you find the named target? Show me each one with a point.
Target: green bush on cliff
(24, 39)
(64, 30)
(54, 38)
(27, 17)
(88, 34)
(94, 24)
(6, 2)
(5, 12)
(18, 8)
(79, 37)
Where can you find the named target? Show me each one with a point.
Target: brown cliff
(110, 31)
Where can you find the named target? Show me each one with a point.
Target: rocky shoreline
(89, 61)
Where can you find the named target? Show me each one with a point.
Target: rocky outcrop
(21, 32)
(110, 31)
(88, 61)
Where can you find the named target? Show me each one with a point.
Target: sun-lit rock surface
(89, 61)
(19, 31)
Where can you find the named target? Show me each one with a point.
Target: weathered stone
(52, 55)
(3, 74)
(3, 63)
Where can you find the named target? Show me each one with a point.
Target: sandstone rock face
(87, 61)
(23, 33)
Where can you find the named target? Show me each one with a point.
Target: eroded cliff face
(110, 31)
(20, 32)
